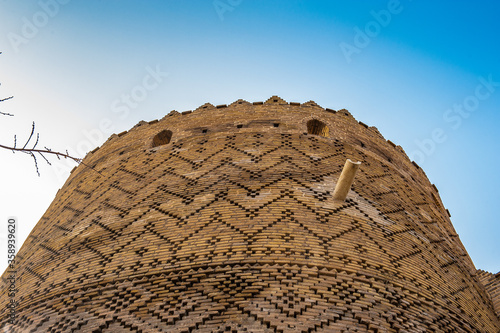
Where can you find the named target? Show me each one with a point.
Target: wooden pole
(345, 180)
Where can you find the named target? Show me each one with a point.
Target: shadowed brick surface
(231, 227)
(492, 284)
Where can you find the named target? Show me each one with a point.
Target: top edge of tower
(306, 111)
(275, 110)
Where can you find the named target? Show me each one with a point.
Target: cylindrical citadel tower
(223, 220)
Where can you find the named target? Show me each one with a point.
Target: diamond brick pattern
(231, 227)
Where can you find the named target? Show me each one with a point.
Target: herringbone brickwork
(222, 220)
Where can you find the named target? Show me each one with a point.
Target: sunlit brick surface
(231, 227)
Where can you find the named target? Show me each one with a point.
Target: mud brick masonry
(223, 220)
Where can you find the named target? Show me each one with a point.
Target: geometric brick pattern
(231, 227)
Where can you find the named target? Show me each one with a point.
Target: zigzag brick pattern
(229, 225)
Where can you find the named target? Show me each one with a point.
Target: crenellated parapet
(226, 219)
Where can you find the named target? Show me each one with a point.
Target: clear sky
(426, 74)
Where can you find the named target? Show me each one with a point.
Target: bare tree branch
(6, 99)
(42, 151)
(3, 100)
(33, 151)
(31, 135)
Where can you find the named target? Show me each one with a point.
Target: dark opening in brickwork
(237, 230)
(317, 127)
(162, 138)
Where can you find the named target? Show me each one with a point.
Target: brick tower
(223, 220)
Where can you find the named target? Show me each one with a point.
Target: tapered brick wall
(228, 225)
(492, 284)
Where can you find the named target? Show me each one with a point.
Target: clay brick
(226, 228)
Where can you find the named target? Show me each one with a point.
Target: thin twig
(6, 113)
(45, 158)
(6, 98)
(32, 151)
(37, 138)
(42, 151)
(31, 135)
(36, 164)
(48, 151)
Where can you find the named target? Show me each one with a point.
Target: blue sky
(425, 74)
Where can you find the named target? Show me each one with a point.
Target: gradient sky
(426, 74)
